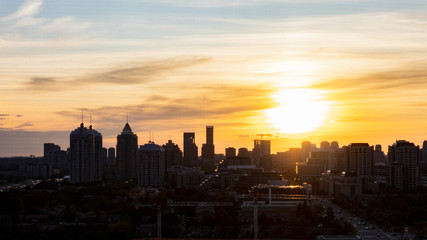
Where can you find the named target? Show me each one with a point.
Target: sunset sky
(291, 70)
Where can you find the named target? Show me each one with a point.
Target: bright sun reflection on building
(300, 110)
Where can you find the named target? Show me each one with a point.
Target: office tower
(306, 148)
(48, 147)
(190, 150)
(325, 145)
(404, 159)
(127, 154)
(243, 152)
(56, 158)
(379, 156)
(423, 152)
(230, 153)
(262, 154)
(111, 156)
(359, 159)
(151, 165)
(335, 145)
(208, 149)
(85, 151)
(173, 155)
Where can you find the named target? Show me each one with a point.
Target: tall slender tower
(190, 150)
(208, 149)
(127, 154)
(85, 150)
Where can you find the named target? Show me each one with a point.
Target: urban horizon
(200, 139)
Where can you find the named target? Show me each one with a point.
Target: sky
(289, 71)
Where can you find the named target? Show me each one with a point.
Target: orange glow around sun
(300, 110)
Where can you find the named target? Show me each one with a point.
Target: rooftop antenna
(127, 117)
(82, 116)
(90, 119)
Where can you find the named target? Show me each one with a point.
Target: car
(378, 235)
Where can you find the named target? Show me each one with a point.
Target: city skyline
(315, 70)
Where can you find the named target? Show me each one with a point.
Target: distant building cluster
(358, 167)
(350, 170)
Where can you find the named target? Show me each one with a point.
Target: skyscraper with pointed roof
(127, 153)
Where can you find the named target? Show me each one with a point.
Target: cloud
(19, 115)
(228, 3)
(27, 124)
(3, 115)
(29, 9)
(130, 73)
(228, 108)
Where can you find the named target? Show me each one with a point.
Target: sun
(300, 110)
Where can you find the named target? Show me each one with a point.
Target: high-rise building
(325, 145)
(85, 154)
(173, 155)
(262, 154)
(404, 160)
(190, 150)
(335, 145)
(208, 149)
(127, 154)
(306, 148)
(359, 159)
(48, 147)
(56, 158)
(379, 156)
(230, 152)
(111, 156)
(151, 165)
(423, 153)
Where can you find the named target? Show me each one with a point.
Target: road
(365, 230)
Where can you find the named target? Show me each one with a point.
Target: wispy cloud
(130, 73)
(28, 10)
(27, 124)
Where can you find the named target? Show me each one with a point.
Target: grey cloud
(19, 115)
(3, 115)
(3, 118)
(130, 73)
(27, 124)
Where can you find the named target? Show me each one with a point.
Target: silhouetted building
(325, 145)
(306, 148)
(85, 154)
(230, 152)
(208, 149)
(423, 153)
(127, 154)
(173, 156)
(262, 154)
(151, 165)
(379, 156)
(111, 156)
(49, 147)
(243, 152)
(335, 145)
(359, 158)
(56, 158)
(191, 155)
(404, 159)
